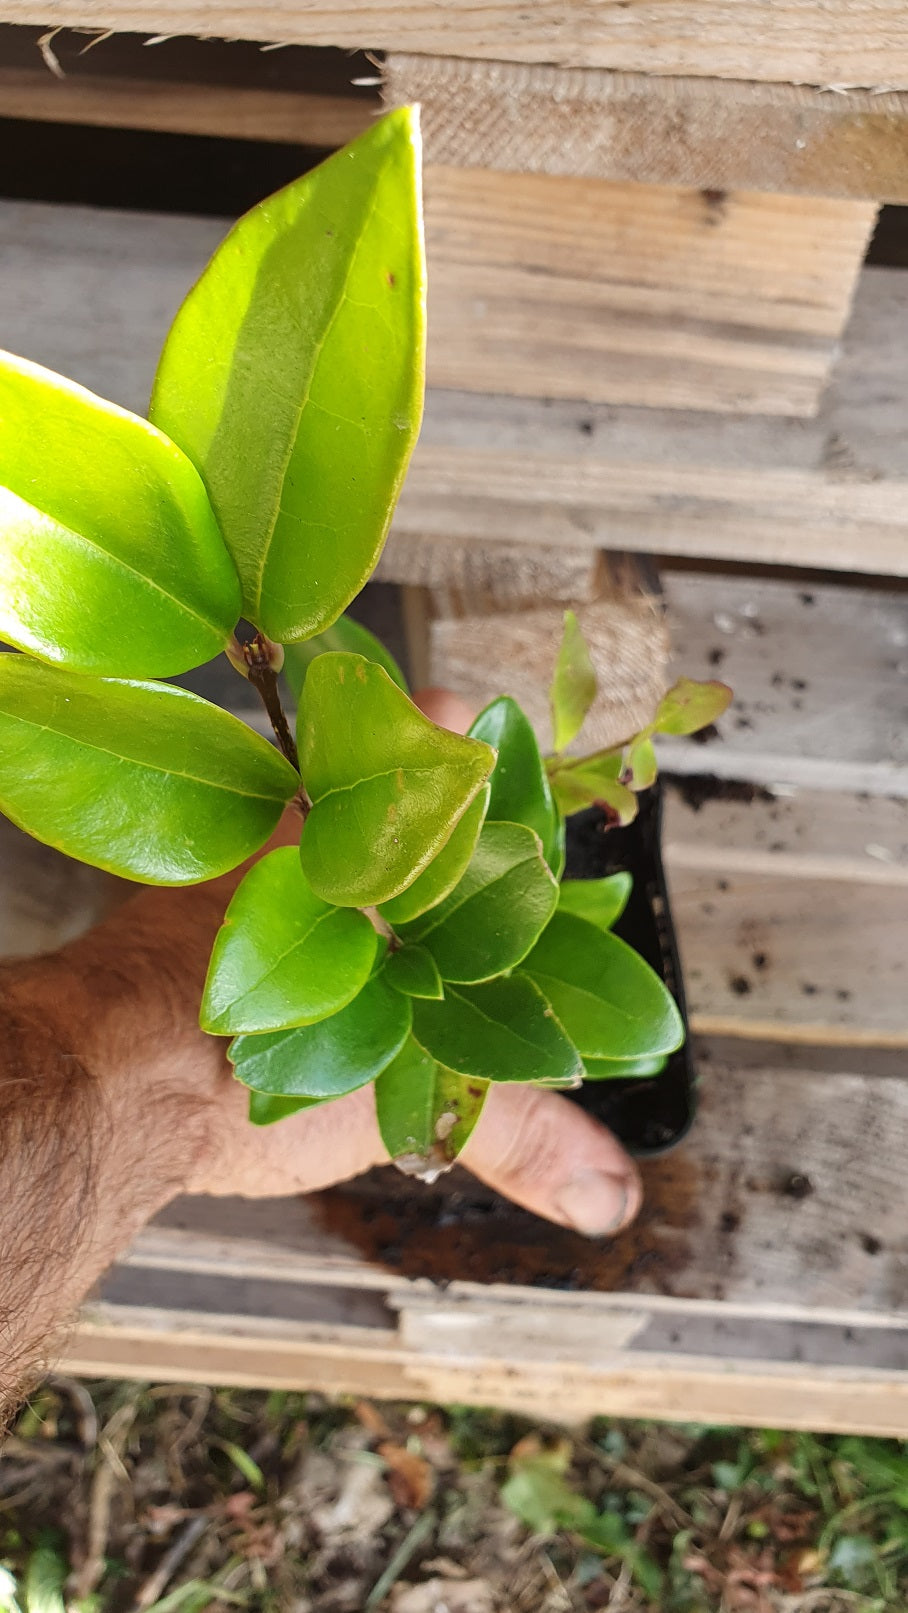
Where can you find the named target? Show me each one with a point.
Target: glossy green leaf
(282, 956)
(111, 560)
(520, 790)
(640, 766)
(502, 1030)
(599, 901)
(387, 785)
(344, 634)
(331, 1057)
(264, 1110)
(425, 1112)
(445, 869)
(493, 916)
(593, 782)
(690, 705)
(623, 1069)
(413, 970)
(574, 684)
(610, 1002)
(293, 377)
(143, 779)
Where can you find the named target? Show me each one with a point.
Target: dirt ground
(129, 1497)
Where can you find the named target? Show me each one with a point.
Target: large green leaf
(282, 956)
(600, 901)
(110, 556)
(264, 1110)
(331, 1057)
(143, 779)
(622, 1069)
(344, 634)
(413, 970)
(493, 916)
(573, 686)
(502, 1030)
(425, 1112)
(293, 377)
(520, 790)
(445, 869)
(387, 785)
(610, 1002)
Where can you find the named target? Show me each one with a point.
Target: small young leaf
(574, 684)
(492, 917)
(590, 782)
(143, 779)
(387, 785)
(293, 377)
(689, 705)
(282, 956)
(599, 901)
(413, 970)
(640, 766)
(443, 872)
(265, 1110)
(622, 1069)
(610, 1002)
(344, 634)
(425, 1112)
(520, 790)
(502, 1030)
(332, 1057)
(111, 560)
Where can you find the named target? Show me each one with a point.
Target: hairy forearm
(106, 1086)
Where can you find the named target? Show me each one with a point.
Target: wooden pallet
(768, 1277)
(767, 1280)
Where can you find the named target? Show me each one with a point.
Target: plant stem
(259, 655)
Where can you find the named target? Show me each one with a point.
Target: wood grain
(831, 492)
(712, 133)
(636, 294)
(322, 121)
(863, 42)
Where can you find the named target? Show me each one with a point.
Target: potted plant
(422, 933)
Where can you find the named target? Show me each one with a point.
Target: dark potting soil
(459, 1229)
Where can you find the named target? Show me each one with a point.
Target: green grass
(121, 1496)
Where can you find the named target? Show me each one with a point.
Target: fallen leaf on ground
(410, 1477)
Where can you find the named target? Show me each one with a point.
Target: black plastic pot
(649, 1115)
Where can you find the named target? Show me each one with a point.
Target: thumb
(544, 1153)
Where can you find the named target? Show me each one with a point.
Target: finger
(445, 708)
(546, 1154)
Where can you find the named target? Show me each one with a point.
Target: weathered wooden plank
(230, 1351)
(812, 960)
(240, 112)
(832, 492)
(637, 294)
(820, 674)
(717, 827)
(862, 42)
(715, 134)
